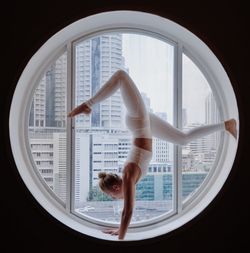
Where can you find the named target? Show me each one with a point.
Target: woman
(143, 125)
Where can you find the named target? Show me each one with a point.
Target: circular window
(181, 81)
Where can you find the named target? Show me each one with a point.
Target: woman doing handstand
(143, 126)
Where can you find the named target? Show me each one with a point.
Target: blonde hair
(107, 180)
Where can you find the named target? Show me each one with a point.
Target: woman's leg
(163, 130)
(130, 94)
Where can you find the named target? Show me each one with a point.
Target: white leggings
(142, 123)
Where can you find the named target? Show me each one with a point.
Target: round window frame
(123, 20)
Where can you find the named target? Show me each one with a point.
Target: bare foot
(83, 108)
(230, 126)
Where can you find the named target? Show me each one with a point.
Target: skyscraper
(211, 110)
(96, 60)
(48, 107)
(212, 116)
(59, 165)
(161, 148)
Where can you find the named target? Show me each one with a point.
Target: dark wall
(25, 225)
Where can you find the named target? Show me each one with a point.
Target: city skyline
(101, 141)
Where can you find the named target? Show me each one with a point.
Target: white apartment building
(96, 152)
(161, 148)
(42, 152)
(49, 155)
(60, 164)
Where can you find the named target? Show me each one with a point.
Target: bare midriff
(145, 143)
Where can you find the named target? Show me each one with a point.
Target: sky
(150, 65)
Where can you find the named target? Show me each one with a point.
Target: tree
(95, 194)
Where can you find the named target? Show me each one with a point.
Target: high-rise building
(184, 117)
(48, 108)
(96, 60)
(212, 116)
(94, 153)
(59, 164)
(161, 148)
(42, 151)
(49, 155)
(83, 166)
(38, 106)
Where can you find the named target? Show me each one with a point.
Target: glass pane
(199, 109)
(47, 127)
(102, 138)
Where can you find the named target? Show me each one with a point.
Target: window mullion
(69, 128)
(178, 123)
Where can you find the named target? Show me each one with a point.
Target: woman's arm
(129, 193)
(130, 177)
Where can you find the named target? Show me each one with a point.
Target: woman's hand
(83, 108)
(111, 231)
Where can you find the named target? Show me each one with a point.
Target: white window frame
(128, 20)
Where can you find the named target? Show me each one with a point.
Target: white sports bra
(141, 157)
